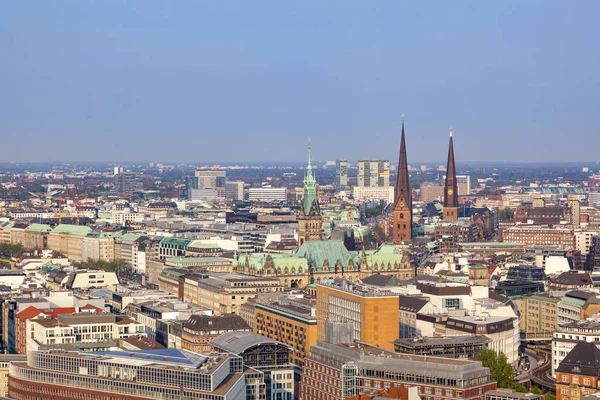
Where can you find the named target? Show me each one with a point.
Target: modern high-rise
(210, 178)
(234, 190)
(402, 214)
(463, 182)
(128, 182)
(341, 174)
(575, 211)
(451, 187)
(374, 173)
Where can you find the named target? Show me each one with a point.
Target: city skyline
(248, 83)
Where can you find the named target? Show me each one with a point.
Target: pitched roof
(320, 251)
(573, 278)
(382, 280)
(584, 359)
(227, 322)
(143, 343)
(412, 304)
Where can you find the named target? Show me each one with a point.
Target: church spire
(451, 187)
(402, 182)
(309, 199)
(402, 214)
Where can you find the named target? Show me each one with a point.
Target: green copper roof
(320, 251)
(310, 188)
(39, 228)
(75, 230)
(175, 241)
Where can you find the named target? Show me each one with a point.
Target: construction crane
(76, 203)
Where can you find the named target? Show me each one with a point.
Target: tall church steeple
(451, 187)
(310, 220)
(402, 214)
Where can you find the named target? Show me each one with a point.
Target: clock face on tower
(401, 204)
(450, 192)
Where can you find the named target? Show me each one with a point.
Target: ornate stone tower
(402, 214)
(451, 187)
(310, 220)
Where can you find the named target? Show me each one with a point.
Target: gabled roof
(584, 359)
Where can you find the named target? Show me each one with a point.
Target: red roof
(32, 312)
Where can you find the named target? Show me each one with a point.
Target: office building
(373, 312)
(267, 194)
(373, 173)
(289, 320)
(342, 370)
(269, 356)
(209, 179)
(539, 314)
(341, 174)
(450, 234)
(430, 192)
(225, 293)
(593, 257)
(374, 193)
(402, 214)
(199, 330)
(448, 347)
(463, 184)
(133, 375)
(575, 207)
(128, 182)
(234, 190)
(534, 235)
(80, 328)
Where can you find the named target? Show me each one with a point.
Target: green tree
(535, 390)
(500, 370)
(8, 249)
(549, 396)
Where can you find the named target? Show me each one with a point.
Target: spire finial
(450, 131)
(402, 117)
(309, 158)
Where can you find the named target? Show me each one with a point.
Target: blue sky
(251, 80)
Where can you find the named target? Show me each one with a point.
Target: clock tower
(451, 187)
(310, 220)
(402, 214)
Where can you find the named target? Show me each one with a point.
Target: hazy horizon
(243, 82)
